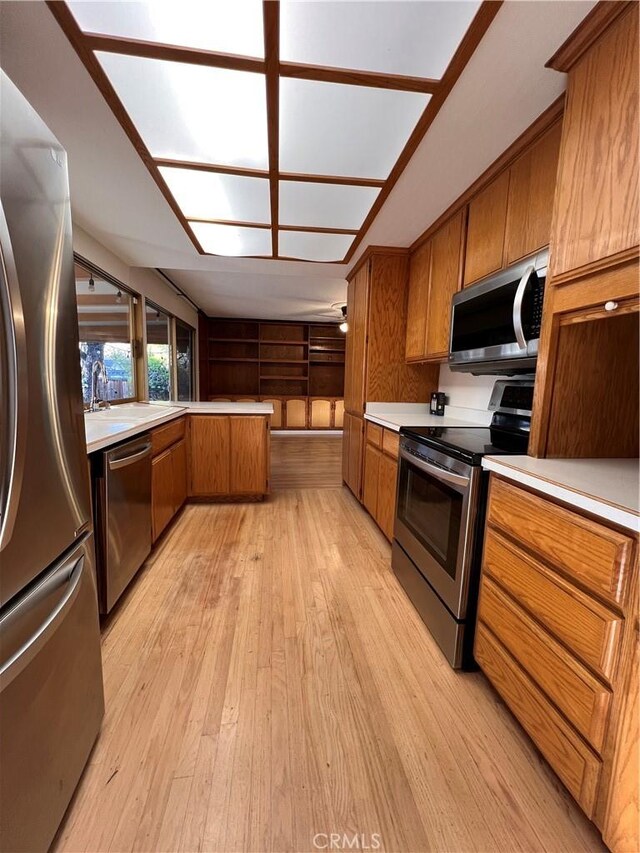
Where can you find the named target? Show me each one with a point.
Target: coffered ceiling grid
(258, 153)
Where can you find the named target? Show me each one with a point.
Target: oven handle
(517, 307)
(435, 470)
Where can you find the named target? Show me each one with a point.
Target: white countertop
(608, 488)
(393, 416)
(126, 420)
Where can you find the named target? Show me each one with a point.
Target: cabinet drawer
(586, 627)
(374, 434)
(581, 697)
(391, 443)
(166, 435)
(576, 765)
(596, 556)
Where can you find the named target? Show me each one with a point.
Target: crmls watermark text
(347, 841)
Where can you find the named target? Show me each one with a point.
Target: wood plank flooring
(268, 683)
(306, 462)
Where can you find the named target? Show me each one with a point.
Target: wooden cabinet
(381, 476)
(276, 417)
(487, 220)
(532, 185)
(376, 369)
(557, 637)
(511, 217)
(446, 267)
(338, 414)
(228, 455)
(295, 413)
(589, 340)
(417, 302)
(596, 205)
(209, 448)
(168, 474)
(352, 446)
(434, 276)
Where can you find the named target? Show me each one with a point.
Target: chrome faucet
(97, 369)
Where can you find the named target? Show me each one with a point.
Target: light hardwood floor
(267, 680)
(306, 461)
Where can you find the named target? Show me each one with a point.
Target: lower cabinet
(352, 441)
(381, 476)
(168, 485)
(228, 455)
(557, 637)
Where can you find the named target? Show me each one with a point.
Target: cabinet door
(296, 414)
(209, 448)
(161, 492)
(353, 465)
(485, 231)
(276, 417)
(532, 186)
(320, 414)
(248, 462)
(346, 437)
(419, 272)
(179, 474)
(370, 488)
(338, 414)
(596, 202)
(355, 357)
(387, 482)
(446, 258)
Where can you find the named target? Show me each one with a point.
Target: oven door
(436, 504)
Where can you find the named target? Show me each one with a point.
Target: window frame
(192, 376)
(97, 271)
(149, 303)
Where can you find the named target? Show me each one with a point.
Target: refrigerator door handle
(14, 357)
(66, 580)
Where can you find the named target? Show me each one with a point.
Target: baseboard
(333, 432)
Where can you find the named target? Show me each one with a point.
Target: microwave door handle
(517, 307)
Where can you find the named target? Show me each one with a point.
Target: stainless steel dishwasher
(122, 479)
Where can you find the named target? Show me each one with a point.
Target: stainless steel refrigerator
(51, 696)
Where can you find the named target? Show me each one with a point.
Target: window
(105, 323)
(184, 361)
(159, 384)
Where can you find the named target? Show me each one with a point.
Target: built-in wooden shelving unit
(261, 358)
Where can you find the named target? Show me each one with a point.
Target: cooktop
(470, 444)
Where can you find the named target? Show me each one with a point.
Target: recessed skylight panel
(313, 247)
(231, 240)
(413, 38)
(192, 112)
(207, 195)
(350, 131)
(223, 26)
(324, 205)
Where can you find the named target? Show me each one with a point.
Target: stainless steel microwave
(495, 324)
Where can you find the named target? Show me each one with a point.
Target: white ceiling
(502, 90)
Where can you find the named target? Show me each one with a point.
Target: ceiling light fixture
(92, 285)
(344, 326)
(119, 297)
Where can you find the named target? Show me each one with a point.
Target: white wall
(465, 390)
(148, 283)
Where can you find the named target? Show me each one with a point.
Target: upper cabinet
(532, 184)
(445, 279)
(419, 272)
(596, 204)
(486, 230)
(375, 369)
(434, 276)
(511, 217)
